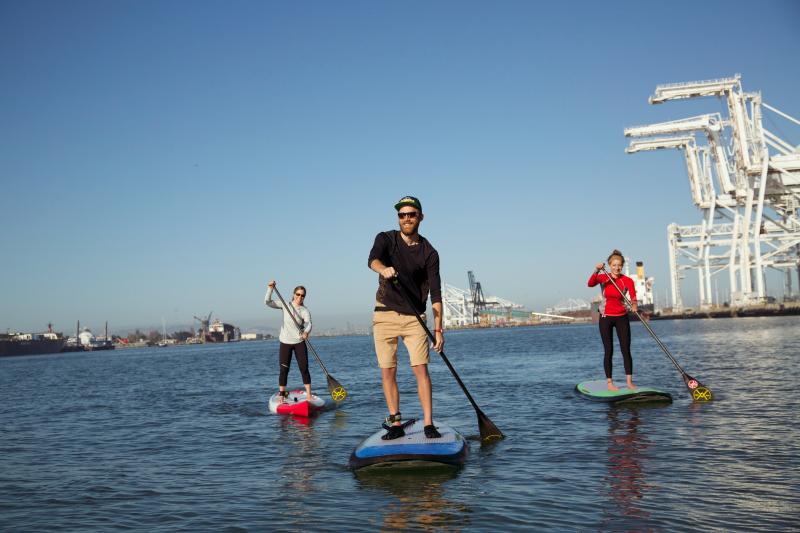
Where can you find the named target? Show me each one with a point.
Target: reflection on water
(340, 420)
(625, 478)
(419, 502)
(296, 473)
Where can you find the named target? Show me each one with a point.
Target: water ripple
(179, 439)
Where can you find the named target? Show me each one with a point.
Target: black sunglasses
(407, 214)
(300, 295)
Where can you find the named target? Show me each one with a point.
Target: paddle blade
(700, 393)
(489, 432)
(338, 393)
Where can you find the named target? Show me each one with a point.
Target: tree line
(154, 336)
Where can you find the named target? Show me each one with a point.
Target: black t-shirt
(417, 269)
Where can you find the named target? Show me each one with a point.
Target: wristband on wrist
(437, 331)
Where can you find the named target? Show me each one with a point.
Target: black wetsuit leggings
(301, 354)
(623, 325)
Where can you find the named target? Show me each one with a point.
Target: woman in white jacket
(292, 338)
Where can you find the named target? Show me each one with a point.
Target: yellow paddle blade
(339, 394)
(701, 394)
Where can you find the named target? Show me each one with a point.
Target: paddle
(487, 428)
(699, 392)
(337, 391)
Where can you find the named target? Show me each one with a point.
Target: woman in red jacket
(614, 314)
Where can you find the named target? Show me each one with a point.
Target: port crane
(204, 325)
(751, 222)
(711, 125)
(476, 293)
(704, 194)
(460, 305)
(696, 162)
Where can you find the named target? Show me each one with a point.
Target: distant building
(252, 336)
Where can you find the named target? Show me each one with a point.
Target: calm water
(180, 438)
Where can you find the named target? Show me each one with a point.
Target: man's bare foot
(612, 387)
(631, 385)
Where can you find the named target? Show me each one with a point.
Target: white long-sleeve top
(290, 334)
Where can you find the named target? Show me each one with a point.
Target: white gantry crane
(746, 181)
(462, 307)
(457, 305)
(696, 163)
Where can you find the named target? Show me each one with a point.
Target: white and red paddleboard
(296, 404)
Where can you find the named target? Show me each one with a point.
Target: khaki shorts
(387, 326)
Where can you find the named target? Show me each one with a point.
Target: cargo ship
(85, 341)
(221, 332)
(30, 343)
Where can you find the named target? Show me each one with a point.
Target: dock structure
(745, 180)
(569, 305)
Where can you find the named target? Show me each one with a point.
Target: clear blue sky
(165, 159)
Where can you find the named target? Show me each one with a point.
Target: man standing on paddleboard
(406, 261)
(292, 338)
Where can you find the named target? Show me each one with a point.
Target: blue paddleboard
(414, 450)
(598, 391)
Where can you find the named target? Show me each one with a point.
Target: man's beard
(409, 231)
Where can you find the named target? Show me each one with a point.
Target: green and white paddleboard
(597, 391)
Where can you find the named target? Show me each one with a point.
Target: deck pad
(597, 391)
(413, 450)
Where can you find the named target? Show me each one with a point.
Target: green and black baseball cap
(408, 200)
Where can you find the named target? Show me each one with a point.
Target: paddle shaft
(299, 327)
(444, 357)
(646, 325)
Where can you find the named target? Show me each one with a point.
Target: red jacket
(614, 302)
